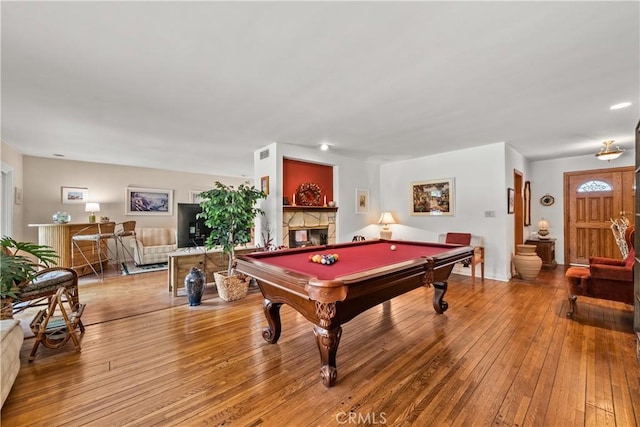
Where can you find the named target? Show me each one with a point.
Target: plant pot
(527, 262)
(194, 284)
(6, 308)
(231, 288)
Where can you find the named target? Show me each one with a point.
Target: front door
(593, 199)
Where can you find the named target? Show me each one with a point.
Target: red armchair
(605, 278)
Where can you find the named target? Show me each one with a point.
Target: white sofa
(12, 338)
(151, 245)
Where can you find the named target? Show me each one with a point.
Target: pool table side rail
(309, 286)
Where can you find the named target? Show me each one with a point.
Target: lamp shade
(386, 218)
(543, 224)
(92, 207)
(607, 153)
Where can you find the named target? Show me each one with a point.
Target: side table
(546, 250)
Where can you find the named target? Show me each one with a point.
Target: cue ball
(393, 247)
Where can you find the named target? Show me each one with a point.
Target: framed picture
(264, 184)
(17, 196)
(75, 195)
(362, 201)
(434, 197)
(527, 203)
(194, 196)
(149, 201)
(511, 200)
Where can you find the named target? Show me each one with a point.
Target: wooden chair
(55, 326)
(478, 252)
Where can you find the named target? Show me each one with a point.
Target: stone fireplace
(308, 225)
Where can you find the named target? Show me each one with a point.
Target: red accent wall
(295, 172)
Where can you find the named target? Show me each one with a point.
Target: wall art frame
(74, 195)
(362, 200)
(511, 200)
(433, 198)
(194, 196)
(527, 203)
(264, 185)
(148, 201)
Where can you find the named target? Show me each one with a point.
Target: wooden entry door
(593, 199)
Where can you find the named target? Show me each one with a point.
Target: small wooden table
(546, 250)
(209, 261)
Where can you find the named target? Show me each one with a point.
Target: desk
(209, 261)
(366, 274)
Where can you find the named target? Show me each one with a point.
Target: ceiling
(199, 86)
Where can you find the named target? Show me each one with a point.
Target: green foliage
(16, 266)
(230, 213)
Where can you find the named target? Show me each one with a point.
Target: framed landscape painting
(432, 197)
(149, 201)
(74, 195)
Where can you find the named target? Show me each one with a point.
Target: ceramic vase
(527, 262)
(194, 284)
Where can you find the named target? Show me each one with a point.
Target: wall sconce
(543, 229)
(385, 219)
(606, 153)
(93, 208)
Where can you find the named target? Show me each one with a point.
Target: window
(593, 185)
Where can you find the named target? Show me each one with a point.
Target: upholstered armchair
(152, 245)
(605, 278)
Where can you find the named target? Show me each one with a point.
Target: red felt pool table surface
(354, 259)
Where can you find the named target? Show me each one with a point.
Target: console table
(546, 250)
(209, 261)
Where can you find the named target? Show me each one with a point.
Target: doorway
(592, 199)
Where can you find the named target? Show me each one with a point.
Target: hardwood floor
(504, 353)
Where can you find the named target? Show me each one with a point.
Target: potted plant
(230, 214)
(19, 262)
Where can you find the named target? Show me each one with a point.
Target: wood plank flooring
(503, 354)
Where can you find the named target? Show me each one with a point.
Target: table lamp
(385, 219)
(93, 208)
(543, 229)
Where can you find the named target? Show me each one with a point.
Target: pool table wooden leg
(271, 333)
(439, 304)
(328, 341)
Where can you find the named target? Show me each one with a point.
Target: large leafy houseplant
(19, 262)
(230, 214)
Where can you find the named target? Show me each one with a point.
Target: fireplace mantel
(311, 218)
(288, 208)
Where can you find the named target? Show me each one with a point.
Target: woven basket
(231, 288)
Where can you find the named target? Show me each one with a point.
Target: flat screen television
(191, 230)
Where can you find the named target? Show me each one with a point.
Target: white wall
(349, 174)
(548, 177)
(480, 191)
(43, 179)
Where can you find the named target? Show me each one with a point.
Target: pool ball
(393, 247)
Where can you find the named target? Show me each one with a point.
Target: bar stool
(97, 235)
(125, 229)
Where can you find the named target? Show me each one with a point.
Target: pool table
(366, 273)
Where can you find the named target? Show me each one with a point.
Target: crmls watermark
(369, 418)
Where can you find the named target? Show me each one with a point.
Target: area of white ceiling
(199, 86)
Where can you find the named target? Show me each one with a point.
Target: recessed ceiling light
(620, 105)
(324, 147)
